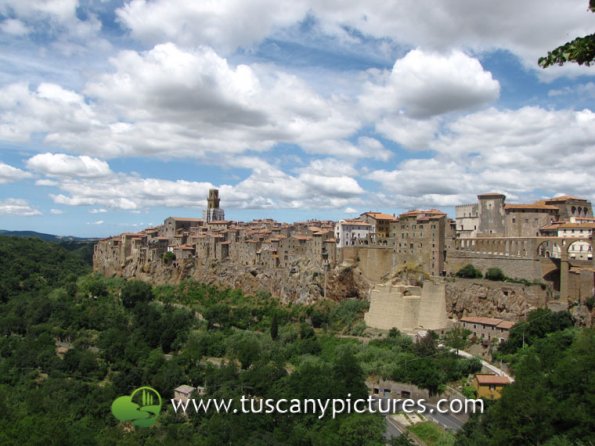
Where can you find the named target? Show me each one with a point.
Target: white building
(467, 218)
(348, 232)
(579, 250)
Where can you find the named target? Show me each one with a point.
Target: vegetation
(580, 50)
(539, 323)
(495, 274)
(469, 272)
(432, 434)
(551, 401)
(72, 341)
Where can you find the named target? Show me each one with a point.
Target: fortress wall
(518, 268)
(407, 308)
(432, 310)
(386, 308)
(410, 312)
(375, 262)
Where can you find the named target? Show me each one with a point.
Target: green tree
(580, 50)
(495, 274)
(469, 272)
(457, 338)
(136, 291)
(274, 327)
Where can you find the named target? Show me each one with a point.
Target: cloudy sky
(116, 114)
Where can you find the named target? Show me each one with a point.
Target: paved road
(486, 364)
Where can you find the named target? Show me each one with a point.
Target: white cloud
(527, 153)
(222, 24)
(350, 211)
(58, 164)
(318, 186)
(424, 84)
(49, 109)
(96, 222)
(9, 174)
(14, 27)
(18, 207)
(528, 29)
(56, 211)
(173, 103)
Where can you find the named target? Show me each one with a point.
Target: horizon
(112, 120)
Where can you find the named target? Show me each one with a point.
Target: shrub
(469, 272)
(495, 274)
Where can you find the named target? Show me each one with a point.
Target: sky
(117, 114)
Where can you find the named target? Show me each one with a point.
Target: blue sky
(117, 114)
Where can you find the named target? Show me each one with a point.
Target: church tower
(213, 211)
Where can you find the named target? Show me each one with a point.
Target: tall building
(213, 211)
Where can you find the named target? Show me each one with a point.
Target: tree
(135, 291)
(469, 272)
(580, 50)
(274, 327)
(457, 338)
(495, 274)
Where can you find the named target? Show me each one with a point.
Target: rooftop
(492, 380)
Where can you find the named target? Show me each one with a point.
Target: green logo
(141, 407)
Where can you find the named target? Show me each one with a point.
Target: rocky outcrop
(479, 297)
(302, 283)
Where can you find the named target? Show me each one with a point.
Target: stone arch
(580, 250)
(547, 249)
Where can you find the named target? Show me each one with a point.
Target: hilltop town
(548, 243)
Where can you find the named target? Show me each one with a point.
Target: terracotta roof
(380, 215)
(506, 325)
(330, 240)
(492, 380)
(564, 198)
(356, 222)
(426, 212)
(576, 226)
(302, 237)
(535, 206)
(186, 219)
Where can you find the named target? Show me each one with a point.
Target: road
(485, 364)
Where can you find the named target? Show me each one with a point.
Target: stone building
(380, 221)
(569, 207)
(487, 328)
(526, 220)
(420, 238)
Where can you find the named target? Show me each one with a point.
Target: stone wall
(518, 268)
(374, 262)
(407, 307)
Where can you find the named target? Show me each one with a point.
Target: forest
(72, 341)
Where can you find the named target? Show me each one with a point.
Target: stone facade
(407, 307)
(421, 239)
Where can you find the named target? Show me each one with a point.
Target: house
(489, 386)
(487, 328)
(183, 392)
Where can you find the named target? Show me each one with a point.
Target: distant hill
(45, 237)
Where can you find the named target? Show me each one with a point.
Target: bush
(495, 274)
(469, 272)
